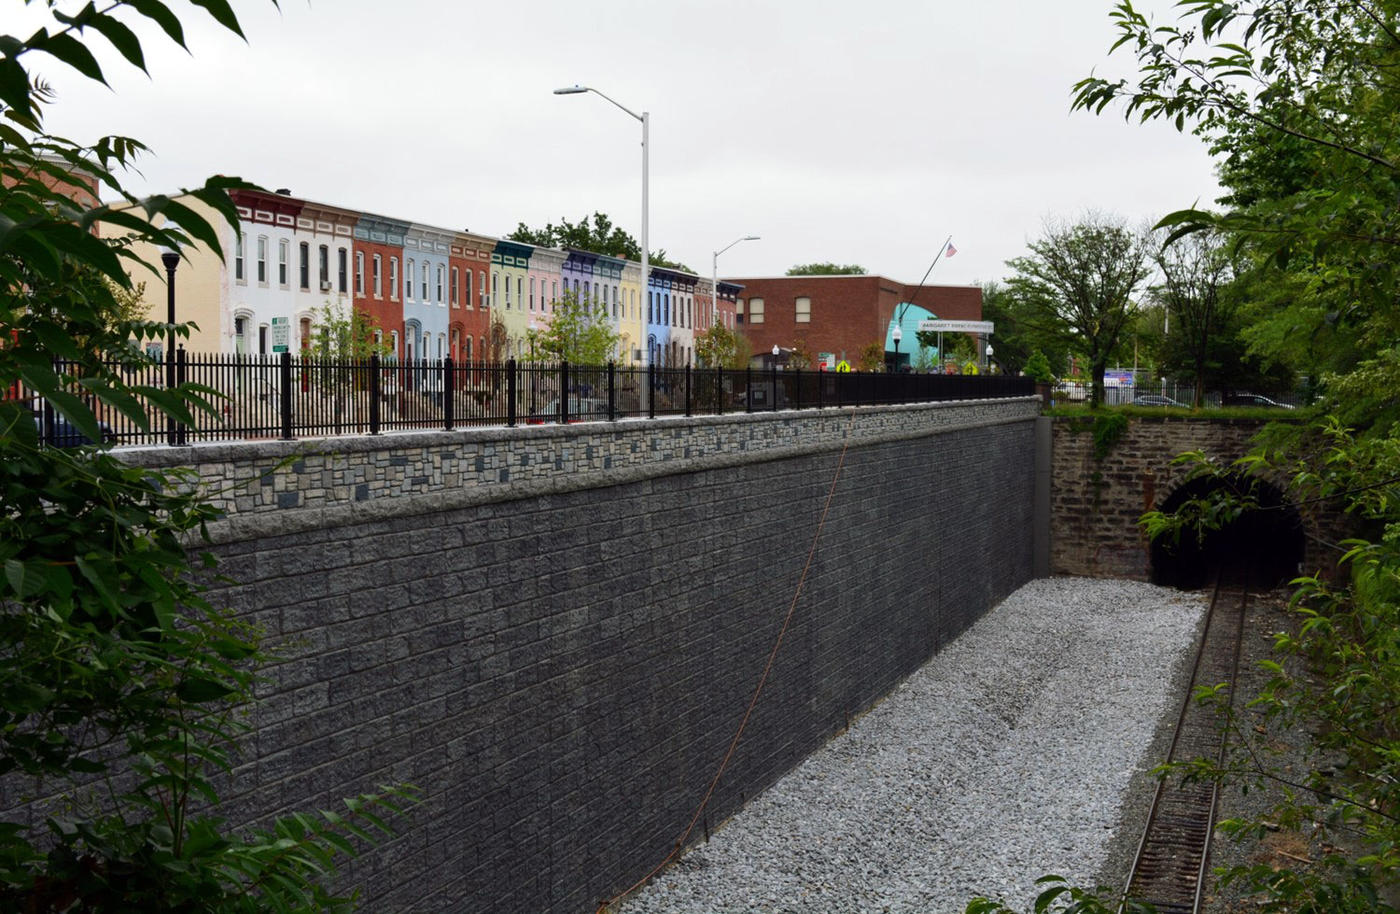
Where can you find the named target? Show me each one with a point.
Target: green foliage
(1109, 428)
(342, 333)
(871, 357)
(595, 234)
(827, 268)
(1022, 329)
(1037, 367)
(720, 347)
(579, 332)
(1078, 283)
(116, 673)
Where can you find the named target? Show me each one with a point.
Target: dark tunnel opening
(1264, 544)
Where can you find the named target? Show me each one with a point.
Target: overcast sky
(854, 132)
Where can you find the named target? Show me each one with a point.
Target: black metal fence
(282, 396)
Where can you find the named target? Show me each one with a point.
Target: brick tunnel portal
(1264, 538)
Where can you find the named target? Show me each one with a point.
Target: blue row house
(425, 274)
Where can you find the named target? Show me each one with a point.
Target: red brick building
(838, 314)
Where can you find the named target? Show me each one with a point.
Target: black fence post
(510, 392)
(821, 384)
(748, 388)
(286, 398)
(449, 407)
(797, 388)
(180, 428)
(651, 390)
(612, 391)
(719, 390)
(374, 381)
(687, 390)
(564, 391)
(774, 372)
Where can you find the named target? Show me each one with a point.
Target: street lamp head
(170, 253)
(775, 350)
(898, 333)
(571, 90)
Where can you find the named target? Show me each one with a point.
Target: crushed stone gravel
(1006, 757)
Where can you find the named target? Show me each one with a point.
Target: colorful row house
(428, 293)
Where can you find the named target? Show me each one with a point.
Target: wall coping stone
(273, 488)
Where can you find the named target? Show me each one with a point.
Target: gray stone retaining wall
(554, 631)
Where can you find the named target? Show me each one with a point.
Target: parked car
(1156, 400)
(65, 434)
(1238, 399)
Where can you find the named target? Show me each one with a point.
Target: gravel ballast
(1006, 757)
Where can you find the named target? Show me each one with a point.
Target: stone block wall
(558, 660)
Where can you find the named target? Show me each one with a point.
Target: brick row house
(432, 293)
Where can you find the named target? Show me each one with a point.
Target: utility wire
(605, 906)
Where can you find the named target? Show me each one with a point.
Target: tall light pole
(645, 118)
(714, 269)
(170, 256)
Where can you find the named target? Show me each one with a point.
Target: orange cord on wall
(603, 906)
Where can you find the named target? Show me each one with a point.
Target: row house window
(342, 269)
(423, 282)
(393, 278)
(495, 289)
(803, 310)
(377, 275)
(520, 290)
(408, 280)
(284, 252)
(305, 267)
(467, 297)
(360, 273)
(553, 290)
(262, 260)
(755, 311)
(481, 284)
(532, 293)
(238, 257)
(441, 270)
(456, 300)
(325, 263)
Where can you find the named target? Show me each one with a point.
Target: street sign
(957, 326)
(281, 334)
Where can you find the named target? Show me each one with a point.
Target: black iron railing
(283, 396)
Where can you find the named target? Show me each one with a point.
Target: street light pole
(898, 335)
(645, 118)
(714, 270)
(170, 256)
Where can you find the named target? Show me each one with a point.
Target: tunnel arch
(1267, 541)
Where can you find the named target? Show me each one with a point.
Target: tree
(1082, 278)
(826, 268)
(871, 357)
(719, 347)
(116, 669)
(1195, 271)
(1021, 329)
(342, 334)
(596, 234)
(579, 332)
(1297, 101)
(1037, 368)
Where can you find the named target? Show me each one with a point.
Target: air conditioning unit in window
(325, 285)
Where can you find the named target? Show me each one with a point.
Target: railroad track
(1173, 858)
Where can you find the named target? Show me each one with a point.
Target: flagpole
(937, 257)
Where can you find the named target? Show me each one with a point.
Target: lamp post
(714, 269)
(645, 118)
(897, 335)
(170, 256)
(989, 358)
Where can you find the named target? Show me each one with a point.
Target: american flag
(951, 250)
